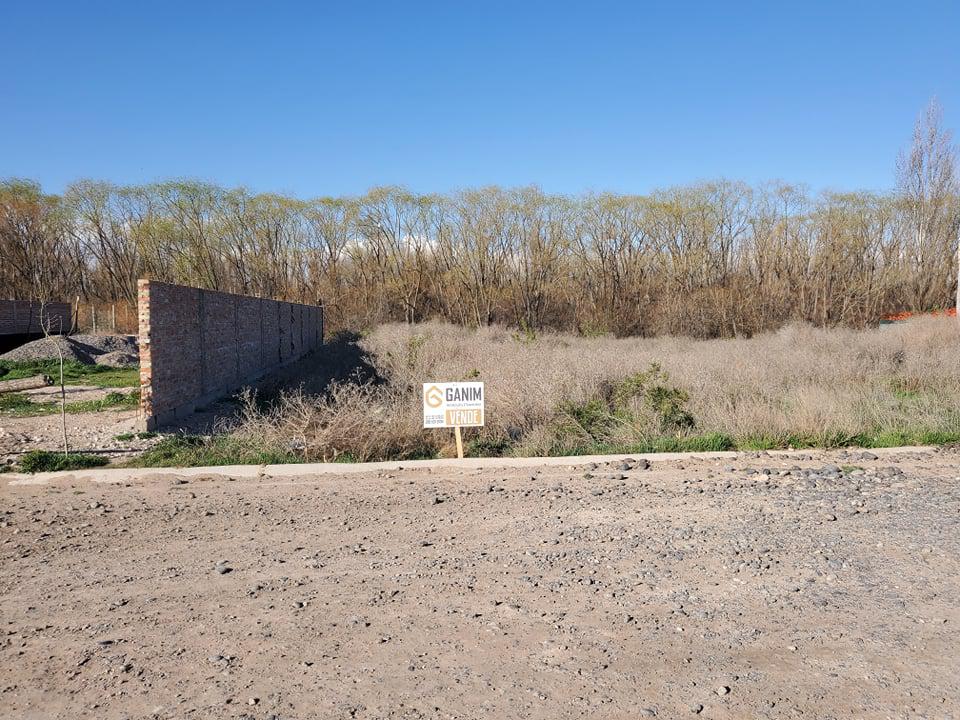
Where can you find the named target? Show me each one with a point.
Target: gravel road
(824, 586)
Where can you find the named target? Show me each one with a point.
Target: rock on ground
(714, 589)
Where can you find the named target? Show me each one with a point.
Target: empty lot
(816, 585)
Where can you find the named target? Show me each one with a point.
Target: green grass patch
(15, 404)
(717, 442)
(112, 401)
(45, 461)
(74, 373)
(710, 442)
(126, 437)
(20, 405)
(345, 458)
(195, 450)
(483, 447)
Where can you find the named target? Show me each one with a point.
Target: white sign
(456, 404)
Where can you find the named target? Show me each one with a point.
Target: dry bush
(357, 422)
(799, 379)
(550, 392)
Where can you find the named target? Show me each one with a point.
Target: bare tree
(928, 185)
(711, 259)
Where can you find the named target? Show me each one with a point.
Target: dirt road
(816, 586)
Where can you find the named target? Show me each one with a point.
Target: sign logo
(432, 396)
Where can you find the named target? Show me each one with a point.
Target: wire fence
(112, 318)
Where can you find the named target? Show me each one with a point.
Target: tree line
(713, 259)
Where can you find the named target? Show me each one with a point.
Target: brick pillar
(146, 419)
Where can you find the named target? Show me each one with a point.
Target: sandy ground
(93, 432)
(758, 587)
(86, 432)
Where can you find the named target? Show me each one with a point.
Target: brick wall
(22, 317)
(200, 345)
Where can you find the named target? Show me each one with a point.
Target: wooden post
(113, 317)
(456, 430)
(93, 313)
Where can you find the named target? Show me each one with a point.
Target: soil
(818, 585)
(94, 432)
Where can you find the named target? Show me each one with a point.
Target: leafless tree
(927, 181)
(711, 259)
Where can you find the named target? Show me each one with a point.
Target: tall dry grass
(798, 385)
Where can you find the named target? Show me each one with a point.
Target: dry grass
(552, 393)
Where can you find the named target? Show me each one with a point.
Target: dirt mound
(82, 348)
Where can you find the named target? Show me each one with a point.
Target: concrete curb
(121, 475)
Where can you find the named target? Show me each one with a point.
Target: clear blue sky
(317, 98)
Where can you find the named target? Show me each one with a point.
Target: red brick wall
(199, 345)
(22, 317)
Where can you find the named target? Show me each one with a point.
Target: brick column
(146, 418)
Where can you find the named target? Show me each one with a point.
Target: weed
(525, 335)
(599, 420)
(126, 437)
(195, 450)
(414, 345)
(45, 461)
(486, 447)
(592, 419)
(710, 442)
(667, 402)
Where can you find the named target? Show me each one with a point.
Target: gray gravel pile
(81, 348)
(118, 359)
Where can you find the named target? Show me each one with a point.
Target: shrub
(668, 403)
(368, 421)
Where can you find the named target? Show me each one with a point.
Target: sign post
(459, 437)
(456, 405)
